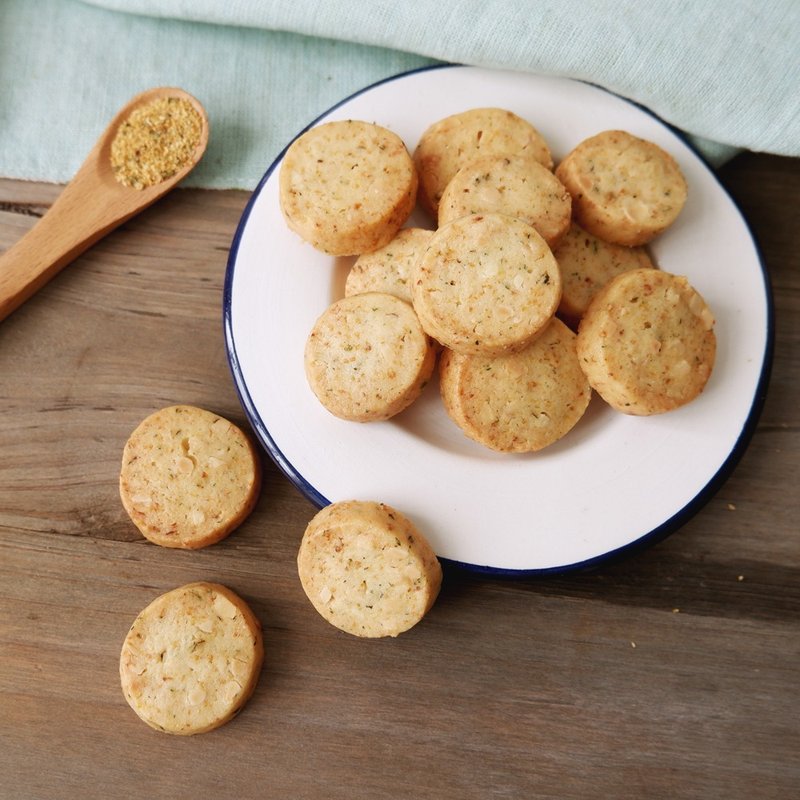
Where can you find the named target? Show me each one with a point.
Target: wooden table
(673, 674)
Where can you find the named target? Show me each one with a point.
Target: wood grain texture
(673, 673)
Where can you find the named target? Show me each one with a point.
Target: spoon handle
(73, 223)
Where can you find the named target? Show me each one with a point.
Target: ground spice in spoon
(155, 142)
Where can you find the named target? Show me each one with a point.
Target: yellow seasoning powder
(155, 142)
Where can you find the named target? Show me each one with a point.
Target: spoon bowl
(91, 205)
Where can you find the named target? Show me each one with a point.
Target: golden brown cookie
(191, 659)
(367, 357)
(647, 343)
(189, 477)
(516, 185)
(626, 190)
(389, 268)
(347, 187)
(587, 264)
(517, 403)
(367, 569)
(451, 143)
(486, 284)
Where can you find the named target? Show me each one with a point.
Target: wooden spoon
(91, 205)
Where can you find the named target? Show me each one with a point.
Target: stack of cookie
(520, 285)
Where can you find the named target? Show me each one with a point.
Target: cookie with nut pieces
(486, 284)
(367, 569)
(516, 185)
(191, 659)
(587, 264)
(388, 269)
(347, 187)
(625, 189)
(518, 403)
(647, 342)
(367, 358)
(189, 477)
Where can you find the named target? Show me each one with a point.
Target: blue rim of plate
(676, 521)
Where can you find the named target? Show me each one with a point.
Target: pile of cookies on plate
(534, 288)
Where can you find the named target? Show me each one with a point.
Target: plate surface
(614, 483)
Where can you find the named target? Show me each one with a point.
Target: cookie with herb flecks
(367, 357)
(516, 185)
(624, 189)
(647, 342)
(389, 268)
(587, 264)
(191, 659)
(487, 284)
(517, 403)
(367, 569)
(189, 477)
(347, 187)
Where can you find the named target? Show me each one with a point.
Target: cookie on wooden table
(367, 357)
(189, 477)
(518, 403)
(191, 659)
(486, 284)
(647, 343)
(587, 264)
(624, 189)
(451, 143)
(516, 185)
(389, 268)
(347, 187)
(367, 569)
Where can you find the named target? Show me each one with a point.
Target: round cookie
(516, 185)
(189, 477)
(191, 659)
(451, 143)
(486, 284)
(367, 357)
(647, 343)
(367, 569)
(389, 268)
(518, 403)
(624, 189)
(587, 264)
(347, 187)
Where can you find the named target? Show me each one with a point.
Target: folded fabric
(725, 73)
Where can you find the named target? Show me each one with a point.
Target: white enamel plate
(613, 483)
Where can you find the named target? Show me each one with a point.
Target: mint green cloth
(727, 73)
